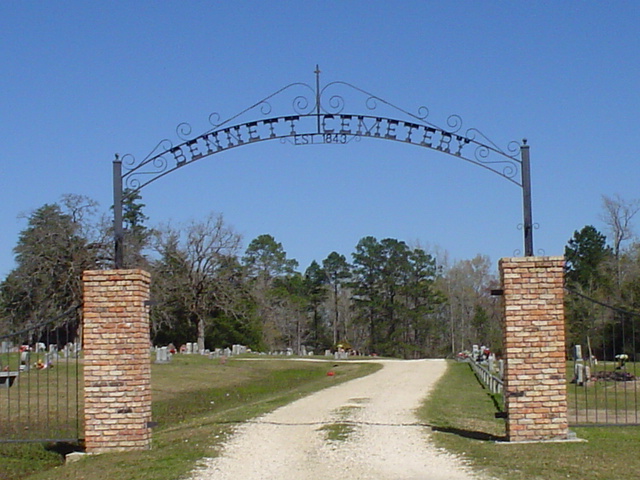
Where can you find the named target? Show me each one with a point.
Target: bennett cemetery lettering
(318, 129)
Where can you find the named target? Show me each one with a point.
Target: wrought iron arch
(319, 116)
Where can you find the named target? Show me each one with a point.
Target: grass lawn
(462, 413)
(196, 403)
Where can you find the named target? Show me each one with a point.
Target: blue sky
(82, 81)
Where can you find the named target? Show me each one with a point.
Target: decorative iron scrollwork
(319, 107)
(321, 115)
(183, 131)
(336, 103)
(154, 165)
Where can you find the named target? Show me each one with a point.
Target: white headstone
(577, 352)
(25, 360)
(162, 355)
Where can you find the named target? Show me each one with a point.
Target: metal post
(317, 72)
(118, 232)
(527, 225)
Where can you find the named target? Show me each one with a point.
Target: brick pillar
(534, 348)
(117, 366)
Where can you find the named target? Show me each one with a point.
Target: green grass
(342, 429)
(462, 413)
(337, 432)
(196, 403)
(18, 460)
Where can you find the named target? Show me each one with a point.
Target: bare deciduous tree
(618, 215)
(196, 269)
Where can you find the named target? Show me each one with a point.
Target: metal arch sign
(299, 130)
(322, 120)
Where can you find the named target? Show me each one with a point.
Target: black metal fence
(604, 369)
(40, 393)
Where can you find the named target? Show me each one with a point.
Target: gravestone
(239, 349)
(25, 360)
(54, 356)
(47, 362)
(579, 374)
(69, 350)
(5, 347)
(491, 363)
(341, 355)
(577, 352)
(578, 369)
(162, 355)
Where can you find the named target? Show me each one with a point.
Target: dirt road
(360, 430)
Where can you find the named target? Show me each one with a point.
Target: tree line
(603, 281)
(388, 298)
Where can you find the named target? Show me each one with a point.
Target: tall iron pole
(527, 225)
(317, 72)
(118, 232)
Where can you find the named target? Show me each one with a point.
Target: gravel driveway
(359, 430)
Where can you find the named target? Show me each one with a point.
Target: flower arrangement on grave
(622, 359)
